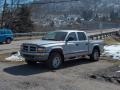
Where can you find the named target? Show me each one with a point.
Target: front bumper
(35, 56)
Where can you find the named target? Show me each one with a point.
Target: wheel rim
(56, 62)
(96, 55)
(8, 40)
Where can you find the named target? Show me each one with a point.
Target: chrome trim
(29, 48)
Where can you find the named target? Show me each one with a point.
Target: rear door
(82, 43)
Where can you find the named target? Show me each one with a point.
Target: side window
(8, 32)
(72, 37)
(81, 36)
(2, 32)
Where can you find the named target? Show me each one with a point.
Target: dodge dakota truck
(58, 46)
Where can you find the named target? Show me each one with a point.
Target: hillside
(62, 13)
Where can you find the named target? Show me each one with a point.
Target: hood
(43, 42)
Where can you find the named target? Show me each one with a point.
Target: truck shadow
(26, 70)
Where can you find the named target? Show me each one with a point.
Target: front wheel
(8, 41)
(95, 55)
(54, 61)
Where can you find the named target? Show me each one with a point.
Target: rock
(93, 76)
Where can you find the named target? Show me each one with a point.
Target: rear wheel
(8, 41)
(55, 60)
(95, 55)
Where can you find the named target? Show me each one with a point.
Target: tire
(8, 41)
(95, 55)
(55, 60)
(30, 62)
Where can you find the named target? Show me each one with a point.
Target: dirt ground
(74, 75)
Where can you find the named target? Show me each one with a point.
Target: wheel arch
(58, 50)
(8, 38)
(96, 47)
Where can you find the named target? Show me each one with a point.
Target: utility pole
(4, 7)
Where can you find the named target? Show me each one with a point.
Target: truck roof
(70, 30)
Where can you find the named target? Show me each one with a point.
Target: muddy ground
(110, 74)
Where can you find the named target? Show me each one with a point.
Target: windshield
(55, 36)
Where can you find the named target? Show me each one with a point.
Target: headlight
(41, 49)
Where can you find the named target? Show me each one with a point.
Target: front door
(71, 47)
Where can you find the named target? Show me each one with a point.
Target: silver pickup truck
(59, 46)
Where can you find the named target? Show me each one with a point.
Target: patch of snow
(15, 57)
(113, 51)
(118, 71)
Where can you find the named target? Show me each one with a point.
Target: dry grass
(3, 56)
(112, 40)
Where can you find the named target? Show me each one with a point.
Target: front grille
(29, 48)
(32, 48)
(25, 48)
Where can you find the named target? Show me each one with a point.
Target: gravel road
(72, 76)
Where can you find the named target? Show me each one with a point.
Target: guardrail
(97, 36)
(26, 36)
(92, 35)
(29, 34)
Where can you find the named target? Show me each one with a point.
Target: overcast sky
(15, 1)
